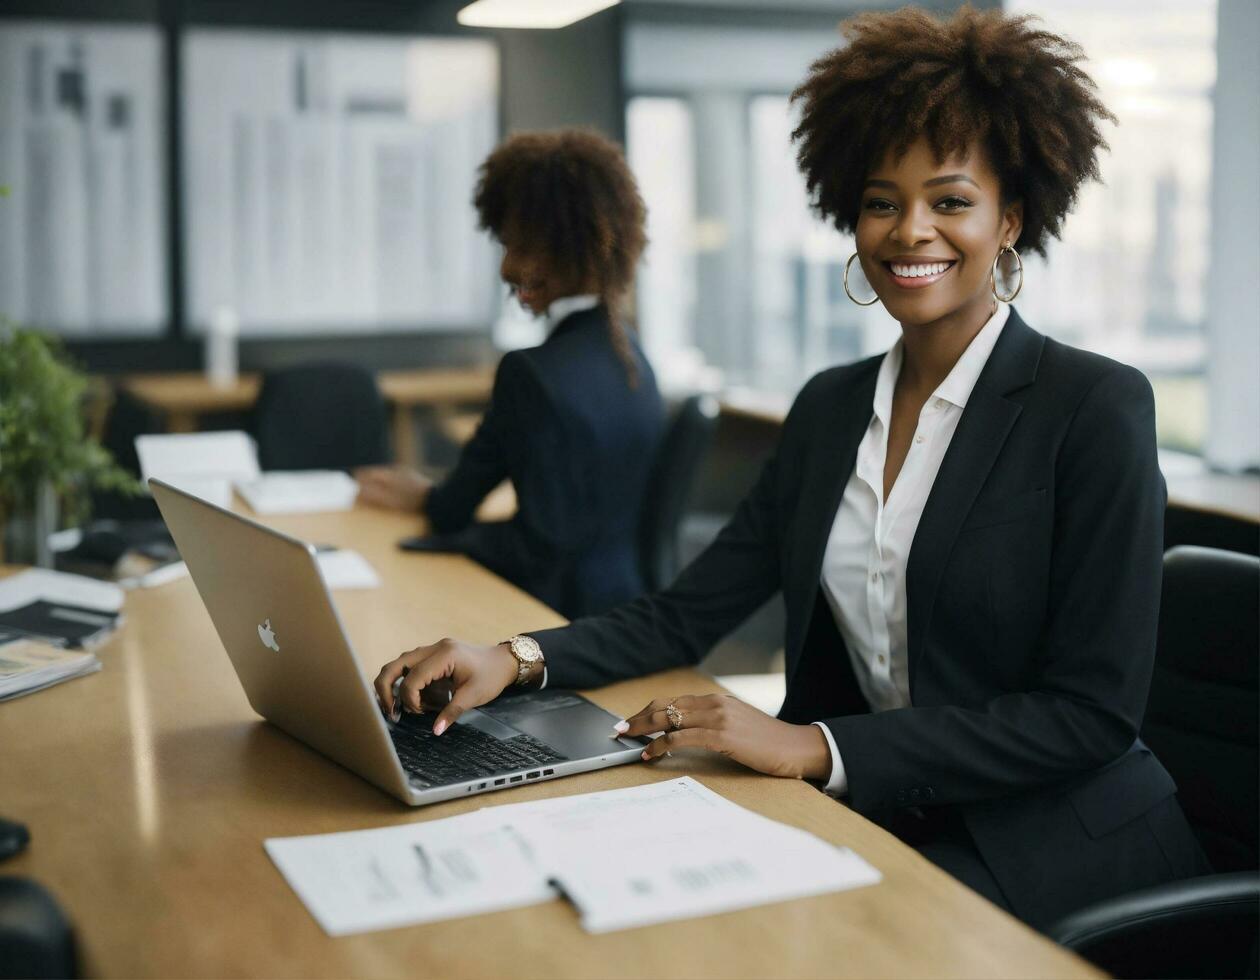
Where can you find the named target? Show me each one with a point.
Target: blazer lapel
(832, 457)
(986, 422)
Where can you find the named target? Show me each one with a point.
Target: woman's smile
(915, 273)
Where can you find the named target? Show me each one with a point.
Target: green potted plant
(48, 463)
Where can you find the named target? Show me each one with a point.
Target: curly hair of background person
(569, 193)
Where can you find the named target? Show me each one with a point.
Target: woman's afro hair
(977, 77)
(569, 193)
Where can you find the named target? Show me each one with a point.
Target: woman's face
(532, 279)
(928, 233)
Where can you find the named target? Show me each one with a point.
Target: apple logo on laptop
(268, 636)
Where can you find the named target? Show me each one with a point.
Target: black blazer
(1032, 592)
(577, 443)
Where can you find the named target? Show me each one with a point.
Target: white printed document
(625, 858)
(399, 876)
(676, 850)
(346, 569)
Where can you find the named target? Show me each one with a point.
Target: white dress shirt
(565, 306)
(864, 565)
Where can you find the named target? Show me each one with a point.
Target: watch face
(526, 648)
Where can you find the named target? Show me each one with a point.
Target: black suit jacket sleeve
(713, 595)
(1084, 705)
(487, 458)
(524, 438)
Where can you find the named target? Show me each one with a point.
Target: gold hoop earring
(871, 302)
(1019, 264)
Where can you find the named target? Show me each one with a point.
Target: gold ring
(675, 716)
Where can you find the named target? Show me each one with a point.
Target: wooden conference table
(150, 786)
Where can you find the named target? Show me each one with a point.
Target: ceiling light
(529, 13)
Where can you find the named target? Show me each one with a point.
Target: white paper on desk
(346, 569)
(204, 464)
(421, 872)
(63, 588)
(675, 850)
(299, 492)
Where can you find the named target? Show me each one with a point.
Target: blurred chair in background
(320, 417)
(35, 937)
(1201, 721)
(669, 487)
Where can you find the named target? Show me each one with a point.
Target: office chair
(35, 937)
(673, 474)
(320, 417)
(1201, 722)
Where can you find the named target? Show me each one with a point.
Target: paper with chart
(398, 876)
(675, 850)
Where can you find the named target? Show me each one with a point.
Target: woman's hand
(392, 487)
(473, 674)
(724, 724)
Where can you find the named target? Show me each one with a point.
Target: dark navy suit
(1032, 597)
(577, 442)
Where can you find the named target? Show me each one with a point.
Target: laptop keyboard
(464, 753)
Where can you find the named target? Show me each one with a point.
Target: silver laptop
(276, 619)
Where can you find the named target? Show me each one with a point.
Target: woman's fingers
(385, 680)
(437, 695)
(437, 666)
(655, 716)
(400, 667)
(646, 722)
(465, 697)
(686, 738)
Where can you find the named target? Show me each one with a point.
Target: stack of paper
(342, 568)
(299, 492)
(625, 858)
(59, 608)
(27, 666)
(204, 464)
(210, 464)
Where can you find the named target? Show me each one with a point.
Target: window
(1129, 277)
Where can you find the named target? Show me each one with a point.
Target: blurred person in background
(574, 422)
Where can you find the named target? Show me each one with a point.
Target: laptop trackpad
(568, 723)
(481, 721)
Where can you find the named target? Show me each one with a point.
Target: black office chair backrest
(36, 939)
(673, 474)
(1201, 719)
(320, 417)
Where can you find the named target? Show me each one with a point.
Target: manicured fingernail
(645, 756)
(621, 727)
(439, 728)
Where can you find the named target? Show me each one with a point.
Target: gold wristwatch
(527, 653)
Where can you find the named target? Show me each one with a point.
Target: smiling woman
(967, 529)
